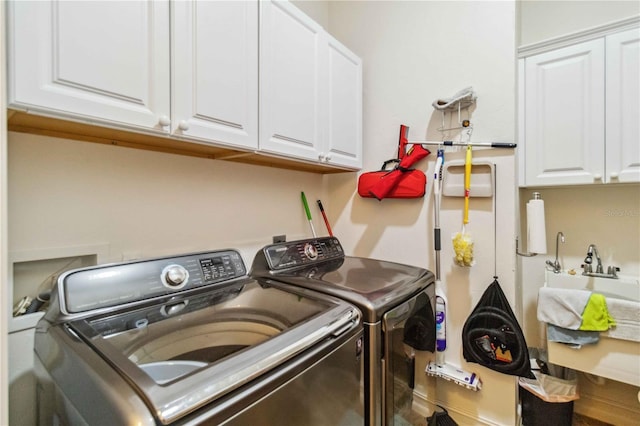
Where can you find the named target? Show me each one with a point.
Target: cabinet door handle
(597, 176)
(327, 157)
(164, 121)
(183, 125)
(614, 175)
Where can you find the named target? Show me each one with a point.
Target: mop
(440, 368)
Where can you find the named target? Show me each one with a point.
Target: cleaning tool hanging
(491, 335)
(308, 213)
(400, 182)
(440, 368)
(462, 241)
(324, 217)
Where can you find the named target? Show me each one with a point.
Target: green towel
(595, 316)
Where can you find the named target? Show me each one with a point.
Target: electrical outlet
(279, 239)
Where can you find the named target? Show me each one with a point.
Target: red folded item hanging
(409, 184)
(402, 181)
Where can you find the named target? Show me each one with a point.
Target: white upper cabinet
(623, 106)
(343, 143)
(291, 77)
(310, 90)
(258, 76)
(215, 71)
(581, 109)
(94, 60)
(564, 115)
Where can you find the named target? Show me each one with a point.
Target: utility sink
(623, 287)
(611, 357)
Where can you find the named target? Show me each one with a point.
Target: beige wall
(414, 53)
(543, 19)
(64, 193)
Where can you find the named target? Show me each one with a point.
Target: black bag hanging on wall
(492, 337)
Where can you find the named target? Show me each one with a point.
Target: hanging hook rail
(478, 144)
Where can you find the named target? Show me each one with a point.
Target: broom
(462, 241)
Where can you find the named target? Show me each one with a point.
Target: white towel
(627, 316)
(467, 95)
(562, 307)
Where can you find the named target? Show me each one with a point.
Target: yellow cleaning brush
(462, 242)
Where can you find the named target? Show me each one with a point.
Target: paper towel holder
(524, 254)
(536, 196)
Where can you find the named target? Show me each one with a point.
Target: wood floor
(579, 420)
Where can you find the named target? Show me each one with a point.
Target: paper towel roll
(536, 228)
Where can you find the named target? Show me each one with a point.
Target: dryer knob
(175, 276)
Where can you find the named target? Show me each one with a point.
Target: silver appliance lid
(374, 286)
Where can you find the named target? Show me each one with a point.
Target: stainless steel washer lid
(319, 264)
(237, 339)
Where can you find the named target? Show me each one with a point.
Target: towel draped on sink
(627, 316)
(574, 309)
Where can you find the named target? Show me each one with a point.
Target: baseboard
(606, 410)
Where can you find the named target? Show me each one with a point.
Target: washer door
(407, 328)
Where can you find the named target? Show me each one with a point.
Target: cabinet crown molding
(579, 36)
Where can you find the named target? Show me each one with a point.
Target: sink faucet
(556, 264)
(589, 259)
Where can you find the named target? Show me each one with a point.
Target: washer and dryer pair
(310, 337)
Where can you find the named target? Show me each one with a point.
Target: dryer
(397, 302)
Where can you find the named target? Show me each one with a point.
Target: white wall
(414, 53)
(4, 394)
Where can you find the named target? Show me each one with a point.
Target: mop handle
(306, 210)
(467, 184)
(437, 188)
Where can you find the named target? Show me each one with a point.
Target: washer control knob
(175, 276)
(310, 251)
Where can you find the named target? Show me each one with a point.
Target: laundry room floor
(579, 420)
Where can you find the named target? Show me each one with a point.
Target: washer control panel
(302, 253)
(117, 284)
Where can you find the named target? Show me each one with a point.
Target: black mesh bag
(492, 337)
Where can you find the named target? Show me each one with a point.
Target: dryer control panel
(302, 252)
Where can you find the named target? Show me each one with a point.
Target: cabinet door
(343, 144)
(91, 60)
(215, 71)
(291, 49)
(623, 106)
(564, 115)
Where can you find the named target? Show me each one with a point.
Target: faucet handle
(613, 271)
(587, 268)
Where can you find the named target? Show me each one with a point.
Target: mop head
(463, 249)
(456, 375)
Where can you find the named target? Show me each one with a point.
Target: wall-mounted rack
(473, 144)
